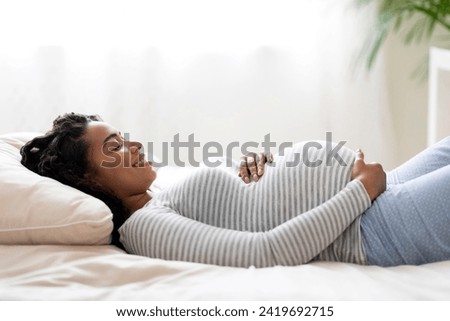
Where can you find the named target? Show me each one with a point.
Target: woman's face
(117, 165)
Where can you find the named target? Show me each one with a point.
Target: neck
(136, 201)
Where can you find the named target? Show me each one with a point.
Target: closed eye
(117, 147)
(113, 146)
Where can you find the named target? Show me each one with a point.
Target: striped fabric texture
(303, 208)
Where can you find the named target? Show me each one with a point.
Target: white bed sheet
(107, 273)
(55, 272)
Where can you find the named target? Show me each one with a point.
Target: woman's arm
(160, 232)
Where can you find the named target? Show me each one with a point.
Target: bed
(54, 245)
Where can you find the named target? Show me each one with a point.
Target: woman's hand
(252, 166)
(371, 175)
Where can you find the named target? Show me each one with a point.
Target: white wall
(230, 75)
(407, 97)
(407, 91)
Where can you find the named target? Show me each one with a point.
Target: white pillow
(40, 210)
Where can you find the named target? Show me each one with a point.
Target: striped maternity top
(303, 208)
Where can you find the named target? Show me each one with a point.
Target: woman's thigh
(410, 222)
(431, 159)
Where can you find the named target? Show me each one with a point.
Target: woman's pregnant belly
(305, 176)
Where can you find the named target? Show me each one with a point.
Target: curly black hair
(62, 153)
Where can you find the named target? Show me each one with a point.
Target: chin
(152, 177)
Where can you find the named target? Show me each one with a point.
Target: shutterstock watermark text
(212, 151)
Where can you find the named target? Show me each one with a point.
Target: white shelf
(438, 95)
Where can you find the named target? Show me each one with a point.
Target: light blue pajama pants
(410, 222)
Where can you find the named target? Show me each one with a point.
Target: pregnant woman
(292, 215)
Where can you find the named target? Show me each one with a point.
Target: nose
(134, 147)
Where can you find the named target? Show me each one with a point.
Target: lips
(140, 162)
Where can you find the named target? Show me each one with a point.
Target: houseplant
(413, 20)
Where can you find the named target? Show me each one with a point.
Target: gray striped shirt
(292, 215)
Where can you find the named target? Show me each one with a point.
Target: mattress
(57, 272)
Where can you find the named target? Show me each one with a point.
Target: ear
(95, 182)
(90, 174)
(91, 178)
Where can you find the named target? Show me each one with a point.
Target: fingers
(252, 168)
(248, 169)
(261, 162)
(359, 160)
(263, 159)
(359, 164)
(243, 170)
(359, 155)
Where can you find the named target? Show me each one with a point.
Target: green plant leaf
(421, 16)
